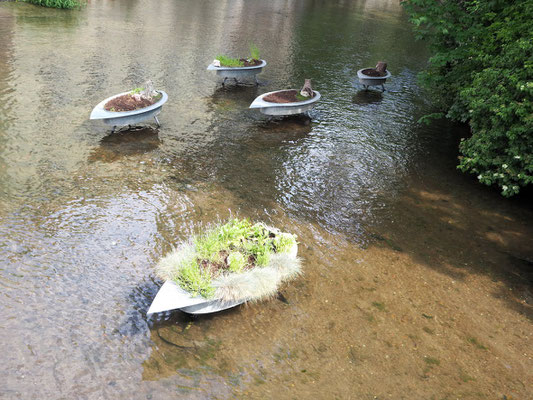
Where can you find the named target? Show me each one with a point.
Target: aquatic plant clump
(237, 260)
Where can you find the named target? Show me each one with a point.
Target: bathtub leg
(366, 87)
(224, 81)
(157, 121)
(236, 81)
(383, 87)
(256, 81)
(113, 130)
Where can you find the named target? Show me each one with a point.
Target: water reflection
(126, 142)
(363, 97)
(233, 98)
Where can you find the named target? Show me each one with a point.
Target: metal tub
(280, 109)
(366, 80)
(238, 72)
(128, 117)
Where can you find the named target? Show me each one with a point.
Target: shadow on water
(457, 240)
(447, 223)
(233, 97)
(363, 97)
(126, 142)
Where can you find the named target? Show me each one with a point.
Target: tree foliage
(482, 71)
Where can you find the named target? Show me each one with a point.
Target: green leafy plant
(230, 62)
(482, 69)
(254, 52)
(236, 261)
(137, 90)
(284, 242)
(67, 4)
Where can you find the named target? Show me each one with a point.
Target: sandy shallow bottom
(443, 314)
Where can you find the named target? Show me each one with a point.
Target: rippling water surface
(86, 213)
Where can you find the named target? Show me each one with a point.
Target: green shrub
(482, 71)
(68, 4)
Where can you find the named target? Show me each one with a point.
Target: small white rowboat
(172, 297)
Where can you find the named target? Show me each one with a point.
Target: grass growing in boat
(234, 248)
(195, 280)
(230, 62)
(67, 4)
(236, 261)
(284, 242)
(254, 52)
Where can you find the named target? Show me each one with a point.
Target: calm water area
(417, 281)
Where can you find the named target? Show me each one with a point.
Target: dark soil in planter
(373, 73)
(286, 96)
(127, 102)
(251, 63)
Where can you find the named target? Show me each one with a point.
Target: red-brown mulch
(285, 96)
(372, 72)
(127, 102)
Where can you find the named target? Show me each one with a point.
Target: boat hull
(172, 297)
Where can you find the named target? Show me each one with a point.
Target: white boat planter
(229, 288)
(367, 81)
(121, 118)
(280, 109)
(237, 73)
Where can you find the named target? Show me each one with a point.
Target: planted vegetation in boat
(136, 99)
(234, 261)
(252, 61)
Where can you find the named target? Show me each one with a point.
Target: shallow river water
(417, 280)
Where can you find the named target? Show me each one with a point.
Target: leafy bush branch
(482, 71)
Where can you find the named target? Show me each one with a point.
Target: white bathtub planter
(236, 73)
(226, 266)
(238, 68)
(374, 76)
(121, 118)
(293, 102)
